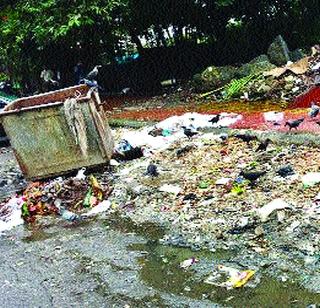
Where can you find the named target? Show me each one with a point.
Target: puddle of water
(160, 269)
(126, 225)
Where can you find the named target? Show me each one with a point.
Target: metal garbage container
(57, 132)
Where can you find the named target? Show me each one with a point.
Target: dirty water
(113, 262)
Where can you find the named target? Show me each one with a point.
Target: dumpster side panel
(44, 144)
(106, 143)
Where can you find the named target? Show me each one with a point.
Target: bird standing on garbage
(246, 137)
(65, 214)
(285, 171)
(152, 170)
(294, 123)
(263, 145)
(189, 132)
(314, 110)
(215, 119)
(252, 176)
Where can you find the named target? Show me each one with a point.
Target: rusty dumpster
(57, 132)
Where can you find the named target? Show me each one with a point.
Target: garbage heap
(68, 197)
(276, 75)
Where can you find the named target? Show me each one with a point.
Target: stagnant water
(112, 262)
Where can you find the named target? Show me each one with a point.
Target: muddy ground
(124, 258)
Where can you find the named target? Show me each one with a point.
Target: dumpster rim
(81, 99)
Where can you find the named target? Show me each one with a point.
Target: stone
(213, 77)
(257, 65)
(278, 51)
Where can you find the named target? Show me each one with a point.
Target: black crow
(263, 145)
(285, 171)
(215, 119)
(252, 176)
(294, 123)
(246, 137)
(152, 170)
(189, 132)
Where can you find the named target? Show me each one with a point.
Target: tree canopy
(62, 32)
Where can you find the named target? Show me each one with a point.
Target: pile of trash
(162, 135)
(72, 198)
(276, 75)
(236, 191)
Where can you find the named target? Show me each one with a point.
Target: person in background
(79, 73)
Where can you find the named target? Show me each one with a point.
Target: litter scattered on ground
(100, 208)
(10, 214)
(196, 121)
(274, 205)
(311, 179)
(67, 197)
(172, 189)
(273, 116)
(223, 181)
(199, 195)
(236, 278)
(188, 263)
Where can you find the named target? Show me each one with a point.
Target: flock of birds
(251, 176)
(313, 113)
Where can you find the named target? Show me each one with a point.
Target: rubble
(214, 208)
(266, 77)
(257, 65)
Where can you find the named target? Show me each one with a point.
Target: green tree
(56, 32)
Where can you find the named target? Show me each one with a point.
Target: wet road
(85, 265)
(111, 262)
